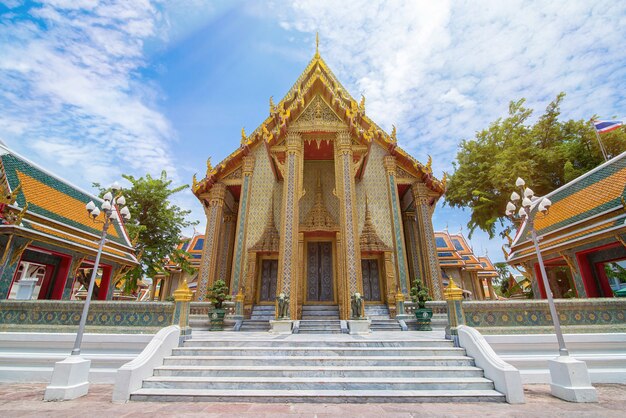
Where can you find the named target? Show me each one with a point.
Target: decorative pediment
(318, 218)
(369, 240)
(318, 116)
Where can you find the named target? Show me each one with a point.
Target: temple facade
(319, 203)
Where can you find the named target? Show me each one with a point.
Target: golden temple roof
(317, 78)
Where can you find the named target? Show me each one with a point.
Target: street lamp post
(569, 377)
(70, 378)
(526, 213)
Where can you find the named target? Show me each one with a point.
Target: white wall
(30, 356)
(605, 354)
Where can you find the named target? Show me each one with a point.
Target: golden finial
(317, 44)
(362, 104)
(10, 198)
(194, 183)
(444, 180)
(272, 106)
(429, 164)
(393, 134)
(244, 139)
(209, 167)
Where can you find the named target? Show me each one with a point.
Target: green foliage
(615, 272)
(156, 225)
(547, 154)
(419, 294)
(218, 293)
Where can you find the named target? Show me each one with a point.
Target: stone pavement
(24, 400)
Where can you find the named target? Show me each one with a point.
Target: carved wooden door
(320, 272)
(269, 273)
(371, 280)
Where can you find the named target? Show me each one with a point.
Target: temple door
(320, 272)
(371, 280)
(269, 273)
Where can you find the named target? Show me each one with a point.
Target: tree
(547, 154)
(156, 225)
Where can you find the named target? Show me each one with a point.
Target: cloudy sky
(92, 89)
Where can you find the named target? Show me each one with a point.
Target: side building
(319, 203)
(458, 262)
(582, 238)
(47, 241)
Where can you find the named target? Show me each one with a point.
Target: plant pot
(216, 317)
(423, 316)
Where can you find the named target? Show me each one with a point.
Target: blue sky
(93, 89)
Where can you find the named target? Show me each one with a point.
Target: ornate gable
(318, 116)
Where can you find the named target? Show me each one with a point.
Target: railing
(104, 316)
(203, 308)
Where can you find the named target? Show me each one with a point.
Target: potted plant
(419, 295)
(217, 294)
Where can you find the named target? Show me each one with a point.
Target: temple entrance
(371, 280)
(319, 272)
(269, 274)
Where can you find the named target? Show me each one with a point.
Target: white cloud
(72, 90)
(442, 70)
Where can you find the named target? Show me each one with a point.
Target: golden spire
(317, 44)
(272, 107)
(429, 165)
(244, 139)
(393, 134)
(362, 104)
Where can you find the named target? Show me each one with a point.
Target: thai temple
(48, 241)
(319, 203)
(472, 273)
(583, 241)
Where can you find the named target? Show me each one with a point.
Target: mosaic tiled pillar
(396, 221)
(426, 237)
(344, 175)
(572, 261)
(214, 207)
(226, 247)
(9, 262)
(288, 250)
(113, 281)
(410, 234)
(242, 221)
(492, 292)
(69, 283)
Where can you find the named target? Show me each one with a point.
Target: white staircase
(379, 315)
(259, 319)
(331, 368)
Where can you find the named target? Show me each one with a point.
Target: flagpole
(599, 141)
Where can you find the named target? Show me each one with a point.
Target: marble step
(317, 351)
(314, 383)
(317, 396)
(199, 342)
(314, 371)
(318, 361)
(319, 331)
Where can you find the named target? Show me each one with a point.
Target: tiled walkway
(23, 400)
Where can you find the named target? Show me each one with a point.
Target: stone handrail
(130, 376)
(506, 378)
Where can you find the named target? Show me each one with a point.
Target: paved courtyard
(24, 400)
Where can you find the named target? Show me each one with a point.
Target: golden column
(290, 222)
(350, 247)
(426, 240)
(396, 219)
(414, 254)
(214, 208)
(242, 222)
